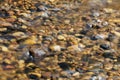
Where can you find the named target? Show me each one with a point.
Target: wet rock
(48, 38)
(39, 52)
(97, 37)
(31, 40)
(4, 48)
(25, 22)
(114, 20)
(30, 67)
(45, 14)
(55, 48)
(27, 15)
(12, 19)
(21, 64)
(64, 65)
(74, 48)
(105, 23)
(7, 61)
(61, 37)
(96, 14)
(76, 74)
(105, 46)
(3, 29)
(116, 33)
(80, 70)
(19, 35)
(111, 37)
(108, 66)
(46, 75)
(42, 8)
(109, 10)
(5, 24)
(35, 76)
(8, 67)
(67, 21)
(108, 55)
(88, 26)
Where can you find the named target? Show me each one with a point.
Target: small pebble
(105, 46)
(55, 48)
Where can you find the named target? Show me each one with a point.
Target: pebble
(19, 34)
(105, 23)
(116, 33)
(4, 48)
(108, 55)
(45, 14)
(27, 15)
(55, 48)
(76, 74)
(30, 41)
(39, 52)
(108, 10)
(24, 27)
(46, 75)
(35, 76)
(105, 46)
(98, 36)
(111, 37)
(3, 29)
(5, 24)
(96, 14)
(67, 21)
(7, 61)
(88, 26)
(108, 66)
(61, 37)
(21, 64)
(74, 48)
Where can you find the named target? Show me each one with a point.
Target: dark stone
(108, 55)
(80, 36)
(84, 32)
(85, 58)
(3, 13)
(30, 69)
(93, 38)
(85, 19)
(88, 26)
(105, 46)
(118, 59)
(32, 76)
(111, 37)
(80, 70)
(64, 65)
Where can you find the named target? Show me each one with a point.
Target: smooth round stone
(19, 34)
(55, 48)
(34, 75)
(61, 37)
(31, 40)
(111, 37)
(3, 48)
(76, 74)
(21, 63)
(108, 66)
(3, 29)
(5, 24)
(39, 52)
(105, 46)
(96, 14)
(108, 55)
(74, 48)
(67, 21)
